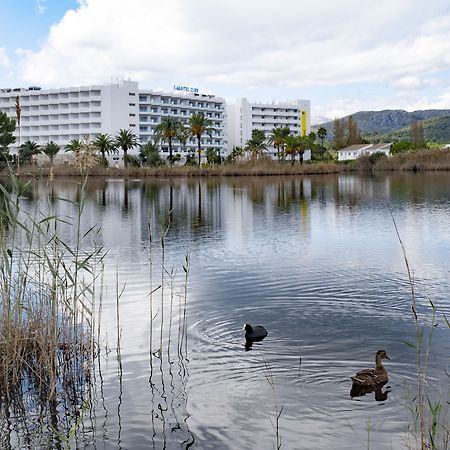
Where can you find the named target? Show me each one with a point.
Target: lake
(316, 260)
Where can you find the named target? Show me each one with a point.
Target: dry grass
(423, 160)
(46, 338)
(245, 168)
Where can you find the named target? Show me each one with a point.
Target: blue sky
(344, 56)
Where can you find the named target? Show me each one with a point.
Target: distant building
(154, 105)
(61, 115)
(355, 151)
(245, 116)
(64, 114)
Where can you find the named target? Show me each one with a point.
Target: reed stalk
(278, 410)
(46, 347)
(430, 428)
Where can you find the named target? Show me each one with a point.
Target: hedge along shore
(423, 160)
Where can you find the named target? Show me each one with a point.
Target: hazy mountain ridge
(436, 130)
(394, 124)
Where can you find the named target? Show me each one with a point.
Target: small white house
(355, 151)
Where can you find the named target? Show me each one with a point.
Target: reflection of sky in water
(316, 260)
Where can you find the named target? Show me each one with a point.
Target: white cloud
(290, 44)
(412, 82)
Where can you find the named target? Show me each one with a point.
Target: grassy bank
(423, 160)
(245, 168)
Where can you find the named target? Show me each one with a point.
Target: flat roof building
(245, 116)
(182, 104)
(63, 114)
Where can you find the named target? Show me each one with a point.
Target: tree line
(285, 143)
(346, 133)
(104, 144)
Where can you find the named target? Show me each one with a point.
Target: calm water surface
(315, 260)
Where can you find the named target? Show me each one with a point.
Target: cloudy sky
(344, 56)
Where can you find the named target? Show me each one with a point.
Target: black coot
(254, 334)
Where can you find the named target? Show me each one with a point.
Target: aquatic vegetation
(46, 320)
(429, 408)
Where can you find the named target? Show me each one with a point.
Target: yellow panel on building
(303, 123)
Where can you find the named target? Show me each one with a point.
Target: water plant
(46, 334)
(278, 409)
(428, 407)
(167, 341)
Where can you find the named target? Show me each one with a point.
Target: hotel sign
(192, 90)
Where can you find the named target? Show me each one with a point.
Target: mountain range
(394, 124)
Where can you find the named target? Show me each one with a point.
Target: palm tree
(126, 140)
(255, 145)
(278, 138)
(298, 144)
(169, 128)
(236, 152)
(149, 155)
(293, 146)
(183, 135)
(74, 146)
(105, 144)
(51, 149)
(27, 150)
(199, 124)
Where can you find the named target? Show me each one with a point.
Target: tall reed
(46, 317)
(168, 338)
(430, 428)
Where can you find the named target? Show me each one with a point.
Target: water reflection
(379, 394)
(314, 258)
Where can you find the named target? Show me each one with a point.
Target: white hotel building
(154, 105)
(244, 116)
(61, 115)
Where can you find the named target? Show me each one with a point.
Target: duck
(254, 334)
(372, 378)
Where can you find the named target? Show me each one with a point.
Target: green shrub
(403, 146)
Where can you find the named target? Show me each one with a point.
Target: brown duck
(372, 378)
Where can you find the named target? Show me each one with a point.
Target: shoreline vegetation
(419, 161)
(51, 336)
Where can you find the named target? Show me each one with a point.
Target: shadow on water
(380, 395)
